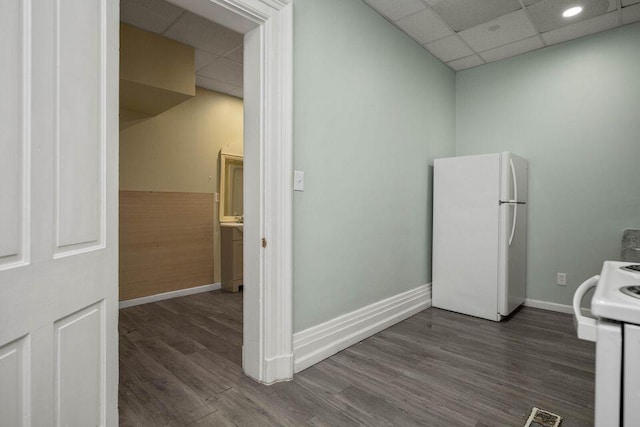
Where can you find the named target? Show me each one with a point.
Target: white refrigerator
(480, 234)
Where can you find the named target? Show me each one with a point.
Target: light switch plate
(298, 181)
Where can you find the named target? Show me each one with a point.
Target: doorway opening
(181, 154)
(181, 207)
(259, 233)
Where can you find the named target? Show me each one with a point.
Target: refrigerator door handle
(515, 180)
(513, 226)
(515, 198)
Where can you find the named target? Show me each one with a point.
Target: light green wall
(574, 111)
(372, 110)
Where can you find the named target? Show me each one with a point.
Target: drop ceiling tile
(237, 92)
(449, 48)
(224, 71)
(212, 84)
(512, 49)
(629, 2)
(547, 15)
(500, 31)
(425, 26)
(236, 55)
(631, 14)
(203, 34)
(464, 63)
(204, 58)
(582, 28)
(530, 2)
(150, 15)
(463, 14)
(396, 9)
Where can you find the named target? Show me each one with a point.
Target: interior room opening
(181, 189)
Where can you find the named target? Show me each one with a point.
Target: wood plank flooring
(180, 365)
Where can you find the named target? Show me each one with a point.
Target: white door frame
(268, 156)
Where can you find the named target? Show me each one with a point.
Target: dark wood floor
(180, 366)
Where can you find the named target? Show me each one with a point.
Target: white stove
(615, 328)
(610, 301)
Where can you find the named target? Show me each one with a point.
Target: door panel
(15, 50)
(58, 273)
(13, 383)
(80, 134)
(79, 380)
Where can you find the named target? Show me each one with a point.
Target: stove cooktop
(632, 291)
(632, 267)
(617, 295)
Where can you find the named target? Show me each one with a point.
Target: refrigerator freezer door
(465, 235)
(514, 187)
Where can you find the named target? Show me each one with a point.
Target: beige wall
(156, 74)
(177, 151)
(156, 61)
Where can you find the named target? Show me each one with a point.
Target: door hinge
(264, 242)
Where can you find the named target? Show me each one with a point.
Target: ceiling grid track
(469, 33)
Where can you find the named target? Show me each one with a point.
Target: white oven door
(631, 387)
(608, 338)
(609, 374)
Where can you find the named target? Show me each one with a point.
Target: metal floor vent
(542, 418)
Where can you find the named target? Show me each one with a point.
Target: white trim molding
(553, 306)
(277, 199)
(319, 342)
(550, 306)
(168, 295)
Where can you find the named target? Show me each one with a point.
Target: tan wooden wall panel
(166, 242)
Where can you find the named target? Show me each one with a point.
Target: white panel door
(58, 212)
(465, 235)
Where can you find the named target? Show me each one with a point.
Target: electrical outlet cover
(561, 279)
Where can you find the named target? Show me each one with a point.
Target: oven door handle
(585, 326)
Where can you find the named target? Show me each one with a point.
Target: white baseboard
(554, 306)
(319, 342)
(277, 369)
(551, 306)
(169, 295)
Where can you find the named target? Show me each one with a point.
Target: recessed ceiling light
(572, 11)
